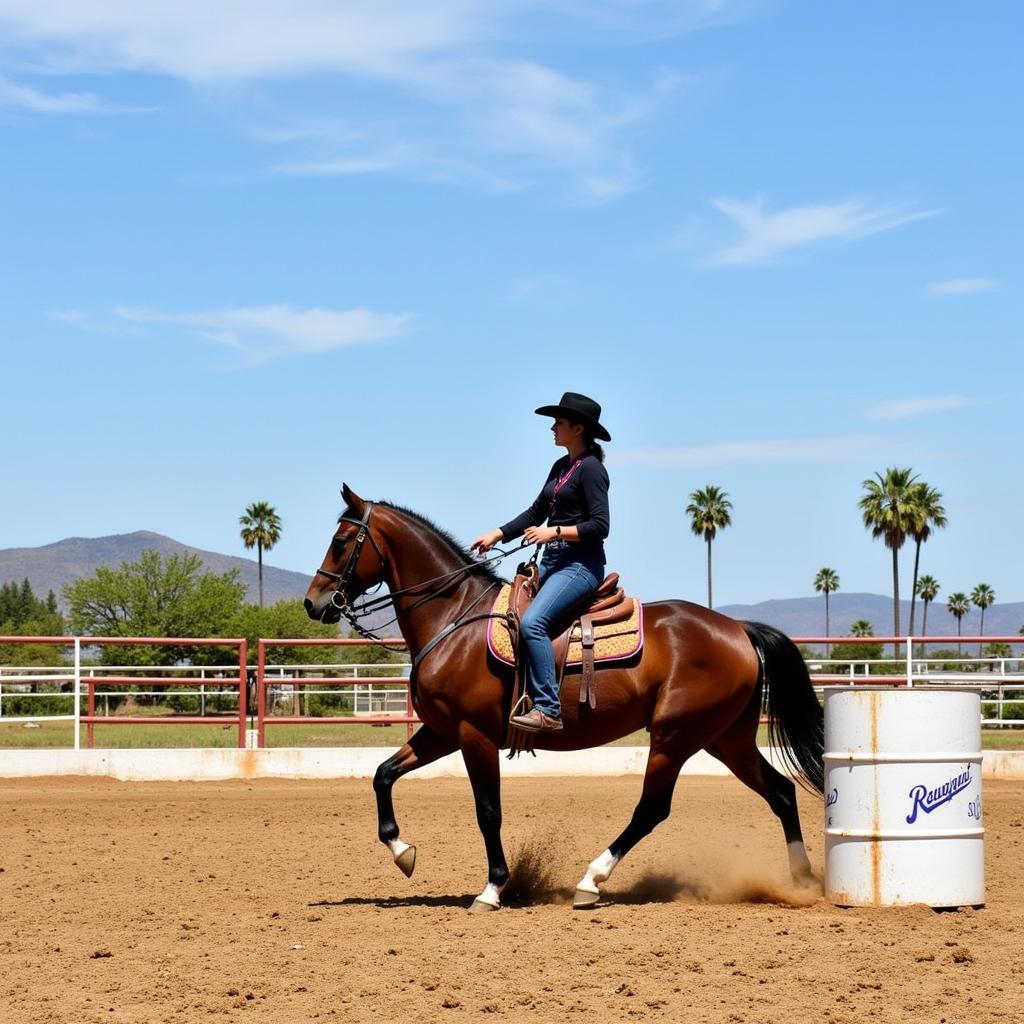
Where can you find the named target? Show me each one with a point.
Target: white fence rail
(999, 680)
(363, 697)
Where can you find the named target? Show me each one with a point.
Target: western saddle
(607, 605)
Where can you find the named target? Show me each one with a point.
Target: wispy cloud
(963, 286)
(240, 40)
(508, 122)
(769, 236)
(838, 448)
(262, 333)
(445, 89)
(18, 97)
(905, 408)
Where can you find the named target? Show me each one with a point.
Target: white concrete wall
(361, 762)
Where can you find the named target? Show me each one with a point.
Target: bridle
(353, 613)
(339, 599)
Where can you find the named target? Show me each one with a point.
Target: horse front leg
(480, 752)
(424, 747)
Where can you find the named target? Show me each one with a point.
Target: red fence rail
(408, 719)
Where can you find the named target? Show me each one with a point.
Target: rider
(574, 501)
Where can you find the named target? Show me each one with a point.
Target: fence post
(409, 710)
(910, 661)
(90, 729)
(78, 693)
(261, 693)
(243, 686)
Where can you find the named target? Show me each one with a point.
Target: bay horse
(698, 685)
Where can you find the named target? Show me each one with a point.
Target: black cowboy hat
(580, 408)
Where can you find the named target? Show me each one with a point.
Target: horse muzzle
(322, 607)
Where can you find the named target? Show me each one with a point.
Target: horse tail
(796, 721)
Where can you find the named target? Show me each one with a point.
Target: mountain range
(52, 566)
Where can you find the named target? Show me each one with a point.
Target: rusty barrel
(903, 812)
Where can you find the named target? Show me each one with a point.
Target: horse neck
(416, 554)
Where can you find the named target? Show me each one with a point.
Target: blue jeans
(567, 577)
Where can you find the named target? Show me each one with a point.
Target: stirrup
(521, 707)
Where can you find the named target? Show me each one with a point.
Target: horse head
(351, 566)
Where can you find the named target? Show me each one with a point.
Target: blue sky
(248, 251)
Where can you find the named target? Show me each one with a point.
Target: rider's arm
(534, 515)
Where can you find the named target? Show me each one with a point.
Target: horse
(698, 684)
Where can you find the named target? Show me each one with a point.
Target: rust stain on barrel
(876, 846)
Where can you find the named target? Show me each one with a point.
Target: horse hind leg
(737, 750)
(423, 748)
(664, 762)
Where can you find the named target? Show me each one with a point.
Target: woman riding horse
(574, 501)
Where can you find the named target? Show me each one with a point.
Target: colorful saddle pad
(613, 642)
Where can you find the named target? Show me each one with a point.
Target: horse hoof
(480, 907)
(406, 861)
(584, 898)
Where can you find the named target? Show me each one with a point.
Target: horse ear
(352, 500)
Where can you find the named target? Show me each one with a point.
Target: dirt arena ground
(272, 901)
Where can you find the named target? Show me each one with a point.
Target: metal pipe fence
(85, 685)
(362, 696)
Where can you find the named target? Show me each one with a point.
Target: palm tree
(981, 597)
(862, 628)
(927, 515)
(826, 582)
(887, 511)
(261, 529)
(709, 512)
(927, 590)
(958, 606)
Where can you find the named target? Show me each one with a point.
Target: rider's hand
(486, 541)
(539, 534)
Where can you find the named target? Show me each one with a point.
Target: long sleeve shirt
(581, 501)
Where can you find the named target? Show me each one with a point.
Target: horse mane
(481, 570)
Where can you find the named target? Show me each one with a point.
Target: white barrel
(903, 797)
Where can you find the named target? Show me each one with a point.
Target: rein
(353, 613)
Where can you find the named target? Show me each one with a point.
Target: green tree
(285, 620)
(709, 512)
(998, 650)
(261, 529)
(958, 606)
(19, 605)
(156, 597)
(927, 589)
(826, 582)
(864, 651)
(23, 614)
(982, 596)
(926, 514)
(887, 511)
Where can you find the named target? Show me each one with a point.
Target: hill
(52, 566)
(805, 616)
